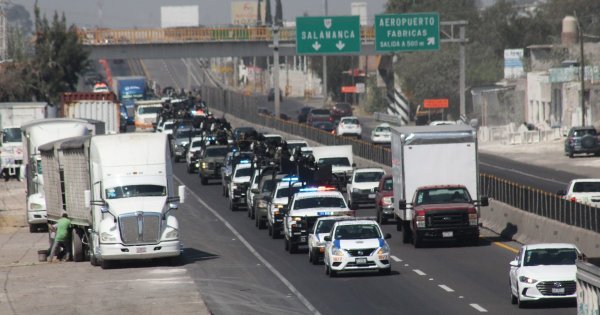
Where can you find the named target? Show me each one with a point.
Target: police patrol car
(278, 205)
(306, 206)
(240, 178)
(356, 245)
(316, 242)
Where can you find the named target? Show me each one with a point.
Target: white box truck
(34, 134)
(340, 158)
(436, 183)
(12, 116)
(146, 114)
(118, 191)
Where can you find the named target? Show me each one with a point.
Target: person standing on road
(61, 238)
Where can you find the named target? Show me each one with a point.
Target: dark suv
(340, 110)
(582, 140)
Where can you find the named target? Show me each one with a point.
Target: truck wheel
(406, 232)
(270, 231)
(105, 264)
(77, 245)
(380, 219)
(189, 169)
(32, 228)
(398, 223)
(203, 180)
(262, 224)
(332, 273)
(293, 248)
(256, 222)
(232, 207)
(417, 241)
(571, 154)
(287, 245)
(315, 258)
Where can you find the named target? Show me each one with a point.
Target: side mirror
(402, 204)
(327, 238)
(87, 198)
(255, 191)
(561, 193)
(353, 164)
(514, 263)
(387, 236)
(376, 189)
(181, 194)
(104, 209)
(484, 201)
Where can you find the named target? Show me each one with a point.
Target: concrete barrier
(588, 289)
(528, 228)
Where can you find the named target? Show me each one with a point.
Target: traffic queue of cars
(283, 189)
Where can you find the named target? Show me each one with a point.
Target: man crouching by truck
(61, 238)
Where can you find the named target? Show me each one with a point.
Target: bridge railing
(526, 198)
(588, 288)
(192, 34)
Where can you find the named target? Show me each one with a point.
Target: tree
(278, 13)
(268, 16)
(336, 66)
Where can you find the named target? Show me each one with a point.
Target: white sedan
(349, 126)
(544, 272)
(382, 134)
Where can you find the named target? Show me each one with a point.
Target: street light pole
(581, 72)
(325, 65)
(276, 92)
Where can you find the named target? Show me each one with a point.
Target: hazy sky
(146, 13)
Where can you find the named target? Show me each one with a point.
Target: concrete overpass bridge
(196, 42)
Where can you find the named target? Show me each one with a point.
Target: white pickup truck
(585, 190)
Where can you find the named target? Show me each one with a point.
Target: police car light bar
(245, 162)
(289, 179)
(337, 213)
(320, 188)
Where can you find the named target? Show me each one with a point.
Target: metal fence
(540, 202)
(526, 198)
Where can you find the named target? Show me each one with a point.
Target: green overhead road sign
(407, 32)
(327, 35)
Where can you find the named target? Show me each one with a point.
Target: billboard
(513, 63)
(246, 12)
(179, 16)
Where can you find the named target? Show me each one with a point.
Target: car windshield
(243, 172)
(169, 126)
(283, 192)
(583, 132)
(550, 256)
(130, 191)
(335, 161)
(442, 195)
(324, 226)
(149, 110)
(383, 129)
(352, 121)
(320, 112)
(184, 134)
(293, 146)
(357, 232)
(319, 202)
(216, 152)
(196, 144)
(580, 187)
(368, 177)
(388, 184)
(11, 135)
(268, 186)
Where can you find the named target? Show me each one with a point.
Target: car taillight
(573, 199)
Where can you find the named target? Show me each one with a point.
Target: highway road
(240, 269)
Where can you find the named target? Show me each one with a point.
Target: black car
(246, 130)
(582, 140)
(324, 125)
(303, 113)
(271, 96)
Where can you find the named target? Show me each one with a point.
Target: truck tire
(385, 271)
(189, 169)
(332, 273)
(77, 245)
(105, 264)
(398, 223)
(261, 224)
(293, 248)
(315, 257)
(203, 180)
(417, 240)
(287, 245)
(406, 232)
(270, 231)
(33, 228)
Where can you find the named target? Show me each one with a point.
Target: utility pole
(581, 71)
(325, 63)
(3, 32)
(276, 90)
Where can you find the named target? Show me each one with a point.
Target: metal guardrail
(588, 289)
(193, 34)
(392, 119)
(526, 198)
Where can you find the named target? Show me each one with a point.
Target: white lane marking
(446, 288)
(396, 259)
(419, 272)
(258, 256)
(524, 173)
(479, 308)
(168, 271)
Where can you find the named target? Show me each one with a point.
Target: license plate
(140, 250)
(361, 261)
(371, 196)
(558, 290)
(302, 238)
(447, 234)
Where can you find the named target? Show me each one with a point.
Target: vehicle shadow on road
(366, 274)
(568, 303)
(189, 256)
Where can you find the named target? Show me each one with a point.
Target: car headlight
(107, 237)
(204, 165)
(173, 234)
(35, 206)
(337, 252)
(384, 250)
(387, 201)
(355, 190)
(527, 280)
